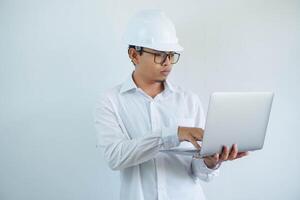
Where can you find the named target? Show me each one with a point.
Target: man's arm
(120, 150)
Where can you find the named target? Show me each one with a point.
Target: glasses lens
(161, 57)
(174, 58)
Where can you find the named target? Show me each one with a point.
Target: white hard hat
(152, 29)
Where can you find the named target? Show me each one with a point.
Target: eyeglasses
(160, 57)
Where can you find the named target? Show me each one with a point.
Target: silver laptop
(236, 118)
(233, 118)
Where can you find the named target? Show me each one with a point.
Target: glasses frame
(165, 55)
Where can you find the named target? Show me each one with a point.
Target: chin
(161, 81)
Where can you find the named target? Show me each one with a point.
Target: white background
(56, 56)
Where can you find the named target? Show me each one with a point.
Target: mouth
(166, 70)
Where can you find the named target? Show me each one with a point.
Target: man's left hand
(212, 161)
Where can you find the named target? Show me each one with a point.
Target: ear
(133, 55)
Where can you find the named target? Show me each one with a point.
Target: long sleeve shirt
(133, 127)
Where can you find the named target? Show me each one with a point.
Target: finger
(216, 157)
(198, 134)
(194, 142)
(242, 154)
(233, 153)
(225, 153)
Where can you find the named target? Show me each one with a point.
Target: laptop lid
(236, 118)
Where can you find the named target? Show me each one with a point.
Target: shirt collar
(129, 84)
(168, 86)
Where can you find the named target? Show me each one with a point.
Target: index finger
(194, 142)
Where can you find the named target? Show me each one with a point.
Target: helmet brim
(160, 47)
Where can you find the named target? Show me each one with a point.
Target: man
(146, 114)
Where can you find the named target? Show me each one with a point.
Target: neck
(150, 87)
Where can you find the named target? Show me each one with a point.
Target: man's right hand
(191, 134)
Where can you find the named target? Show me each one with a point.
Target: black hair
(137, 48)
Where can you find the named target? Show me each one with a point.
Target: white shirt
(131, 129)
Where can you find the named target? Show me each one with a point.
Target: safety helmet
(152, 29)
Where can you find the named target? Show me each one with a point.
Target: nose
(167, 61)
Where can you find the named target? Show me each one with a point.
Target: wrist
(209, 165)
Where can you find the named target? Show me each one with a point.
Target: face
(147, 68)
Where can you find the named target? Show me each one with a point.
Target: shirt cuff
(170, 137)
(201, 171)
